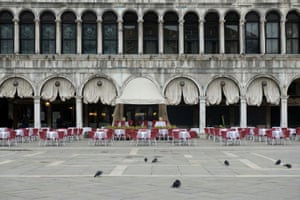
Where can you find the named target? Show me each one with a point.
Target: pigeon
(176, 184)
(278, 162)
(98, 173)
(154, 160)
(145, 159)
(288, 165)
(226, 163)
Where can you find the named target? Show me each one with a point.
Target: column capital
(201, 21)
(57, 21)
(37, 20)
(263, 21)
(120, 21)
(37, 97)
(140, 21)
(15, 20)
(78, 97)
(181, 21)
(160, 21)
(282, 21)
(242, 22)
(99, 21)
(222, 21)
(202, 98)
(284, 98)
(78, 21)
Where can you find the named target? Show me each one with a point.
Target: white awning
(16, 86)
(141, 91)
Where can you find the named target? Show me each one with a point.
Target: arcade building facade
(192, 63)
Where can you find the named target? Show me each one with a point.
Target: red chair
(43, 137)
(12, 138)
(61, 137)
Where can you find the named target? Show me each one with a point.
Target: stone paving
(29, 171)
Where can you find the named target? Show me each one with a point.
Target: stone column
(160, 36)
(221, 36)
(242, 32)
(202, 113)
(16, 36)
(243, 112)
(284, 112)
(201, 36)
(78, 111)
(99, 40)
(79, 36)
(37, 112)
(181, 36)
(140, 36)
(58, 36)
(283, 37)
(37, 36)
(120, 36)
(262, 37)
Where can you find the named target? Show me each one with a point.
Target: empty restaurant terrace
(33, 169)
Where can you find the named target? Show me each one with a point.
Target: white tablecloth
(19, 132)
(52, 135)
(233, 135)
(163, 132)
(262, 131)
(143, 134)
(277, 134)
(160, 124)
(184, 135)
(4, 134)
(100, 134)
(119, 132)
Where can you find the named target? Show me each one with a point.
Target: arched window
(252, 36)
(191, 33)
(47, 33)
(69, 33)
(292, 32)
(273, 33)
(232, 33)
(6, 33)
(170, 33)
(150, 31)
(89, 33)
(109, 33)
(27, 33)
(211, 33)
(130, 33)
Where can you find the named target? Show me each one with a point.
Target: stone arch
(221, 85)
(182, 88)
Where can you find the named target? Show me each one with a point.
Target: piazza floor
(29, 171)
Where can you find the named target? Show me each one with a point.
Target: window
(27, 33)
(109, 33)
(68, 33)
(6, 33)
(89, 33)
(232, 33)
(273, 33)
(170, 33)
(211, 33)
(47, 33)
(130, 33)
(252, 30)
(150, 31)
(292, 33)
(191, 34)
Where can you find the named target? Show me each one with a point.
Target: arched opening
(223, 108)
(16, 102)
(98, 96)
(58, 108)
(183, 103)
(294, 103)
(263, 98)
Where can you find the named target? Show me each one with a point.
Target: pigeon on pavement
(98, 173)
(226, 163)
(176, 184)
(278, 162)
